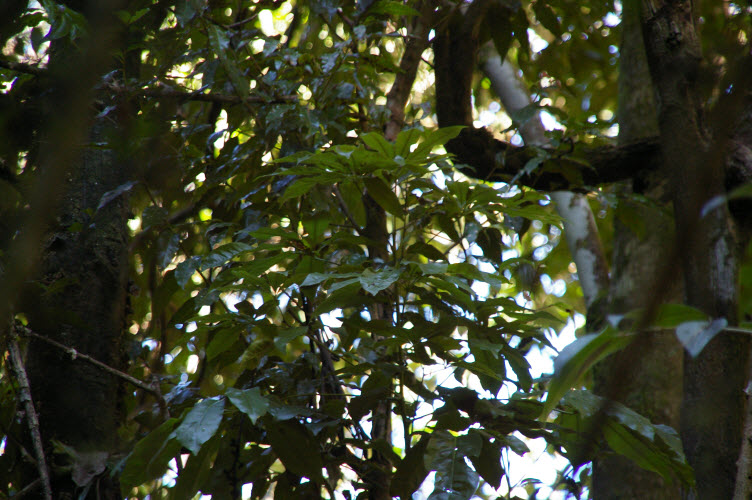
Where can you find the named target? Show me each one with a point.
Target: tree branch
(16, 361)
(74, 354)
(162, 91)
(579, 224)
(483, 157)
(22, 67)
(399, 94)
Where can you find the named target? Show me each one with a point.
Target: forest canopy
(328, 248)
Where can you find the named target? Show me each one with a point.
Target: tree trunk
(82, 305)
(643, 238)
(714, 402)
(79, 295)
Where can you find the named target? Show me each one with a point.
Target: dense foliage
(299, 335)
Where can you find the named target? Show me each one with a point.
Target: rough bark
(85, 274)
(652, 386)
(73, 259)
(714, 403)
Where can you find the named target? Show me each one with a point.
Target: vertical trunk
(714, 403)
(82, 305)
(79, 296)
(653, 385)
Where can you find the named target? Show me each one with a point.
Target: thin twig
(28, 489)
(74, 354)
(16, 361)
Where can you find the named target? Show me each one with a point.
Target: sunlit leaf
(200, 424)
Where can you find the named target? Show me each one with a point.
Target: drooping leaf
(288, 439)
(197, 471)
(383, 195)
(455, 480)
(249, 401)
(488, 462)
(577, 358)
(411, 470)
(150, 457)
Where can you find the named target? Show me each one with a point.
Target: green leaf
(489, 240)
(352, 195)
(405, 141)
(375, 281)
(220, 45)
(316, 228)
(392, 8)
(316, 278)
(488, 462)
(547, 17)
(249, 401)
(577, 358)
(184, 271)
(153, 216)
(223, 254)
(150, 457)
(455, 480)
(383, 195)
(200, 424)
(377, 142)
(437, 137)
(411, 471)
(197, 471)
(286, 336)
(296, 447)
(221, 340)
(673, 315)
(624, 442)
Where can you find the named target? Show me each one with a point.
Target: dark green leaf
(200, 424)
(375, 281)
(383, 195)
(150, 457)
(223, 254)
(296, 447)
(249, 401)
(488, 462)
